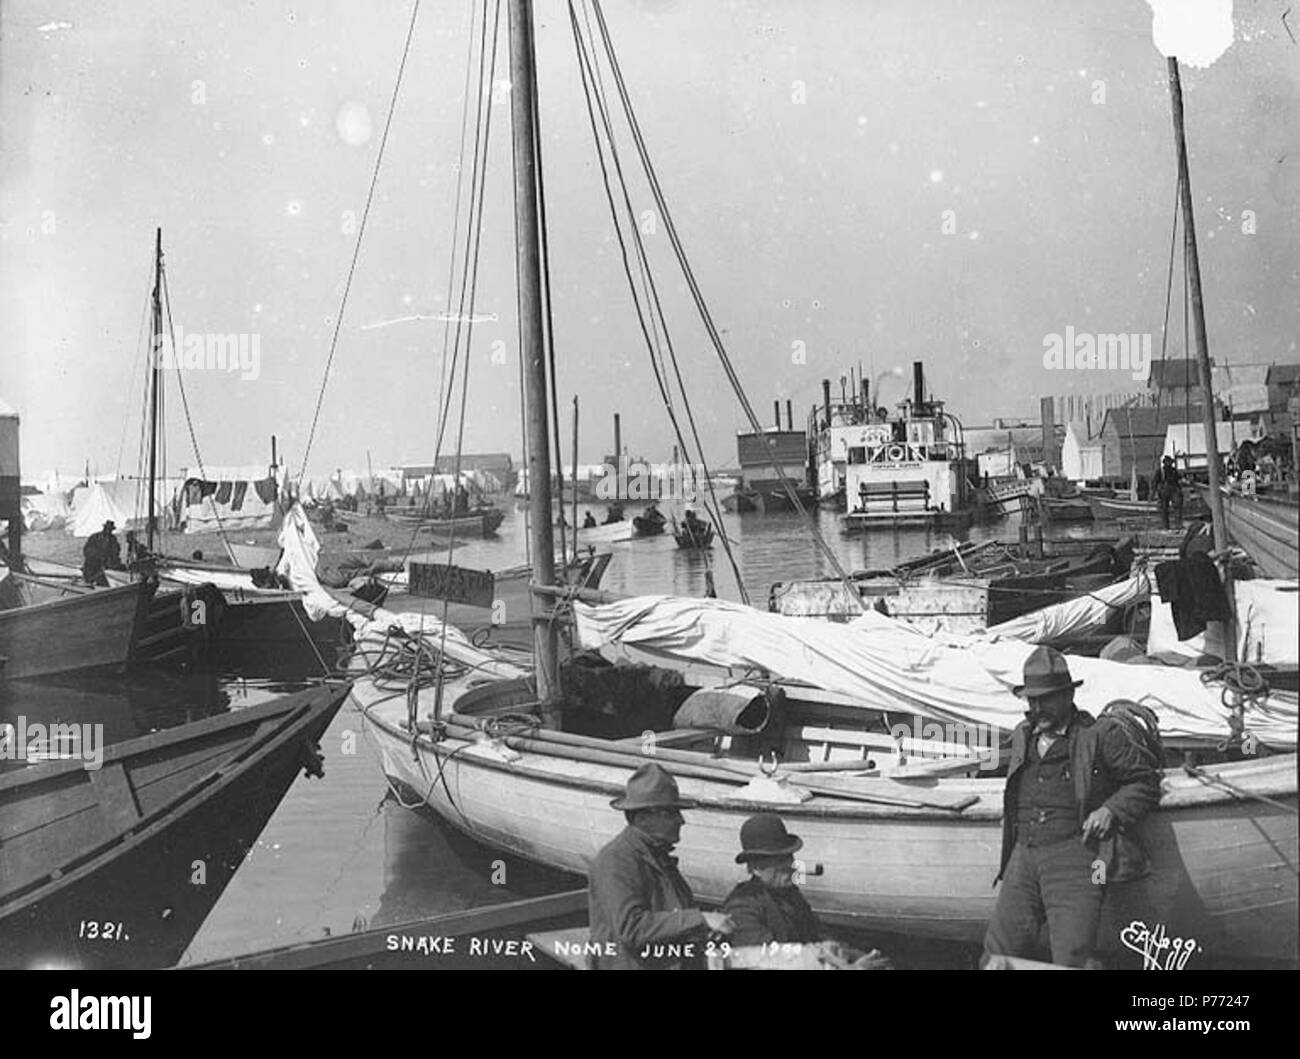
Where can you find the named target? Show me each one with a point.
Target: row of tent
(233, 498)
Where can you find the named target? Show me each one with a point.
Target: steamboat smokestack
(789, 415)
(918, 386)
(826, 399)
(776, 410)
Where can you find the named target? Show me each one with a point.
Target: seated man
(642, 913)
(768, 908)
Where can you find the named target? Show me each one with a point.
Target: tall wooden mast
(1193, 267)
(1198, 310)
(528, 277)
(156, 352)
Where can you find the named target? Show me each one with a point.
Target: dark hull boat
(1065, 509)
(118, 867)
(694, 537)
(179, 627)
(496, 937)
(94, 630)
(648, 526)
(270, 632)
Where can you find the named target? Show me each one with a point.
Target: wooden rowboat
(1065, 509)
(688, 538)
(912, 856)
(492, 938)
(483, 523)
(1110, 508)
(93, 630)
(118, 867)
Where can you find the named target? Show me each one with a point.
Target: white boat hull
(1226, 869)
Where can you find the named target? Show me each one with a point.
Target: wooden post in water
(1193, 266)
(528, 278)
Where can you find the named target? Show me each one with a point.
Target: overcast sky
(248, 132)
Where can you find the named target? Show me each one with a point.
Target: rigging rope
(470, 279)
(591, 86)
(702, 307)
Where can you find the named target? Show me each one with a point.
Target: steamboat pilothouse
(904, 469)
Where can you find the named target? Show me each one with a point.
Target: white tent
(1082, 458)
(97, 503)
(236, 504)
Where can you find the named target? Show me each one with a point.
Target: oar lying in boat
(696, 766)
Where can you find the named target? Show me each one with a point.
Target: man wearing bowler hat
(642, 913)
(1076, 790)
(768, 907)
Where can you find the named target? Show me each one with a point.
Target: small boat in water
(481, 523)
(1065, 509)
(650, 523)
(98, 866)
(695, 535)
(1114, 508)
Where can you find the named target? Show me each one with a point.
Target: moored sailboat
(527, 760)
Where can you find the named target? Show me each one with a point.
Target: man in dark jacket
(1076, 790)
(101, 552)
(1169, 491)
(768, 907)
(642, 913)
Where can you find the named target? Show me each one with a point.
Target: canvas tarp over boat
(886, 665)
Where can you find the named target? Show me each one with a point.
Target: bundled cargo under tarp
(884, 665)
(1083, 614)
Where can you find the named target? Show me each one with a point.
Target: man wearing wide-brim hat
(1076, 790)
(642, 913)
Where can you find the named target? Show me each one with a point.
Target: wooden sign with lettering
(456, 584)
